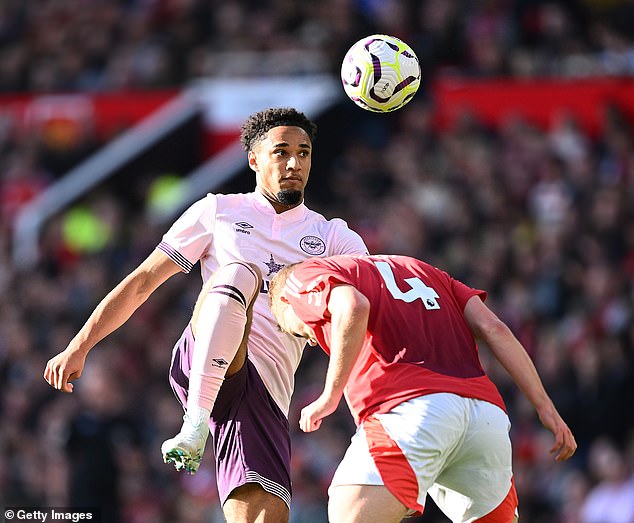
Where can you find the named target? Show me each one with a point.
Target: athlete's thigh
(250, 503)
(479, 475)
(405, 449)
(364, 504)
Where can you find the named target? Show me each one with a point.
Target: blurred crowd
(60, 45)
(543, 219)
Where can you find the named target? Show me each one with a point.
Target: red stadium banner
(541, 102)
(495, 102)
(63, 115)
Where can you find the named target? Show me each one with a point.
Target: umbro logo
(242, 227)
(220, 362)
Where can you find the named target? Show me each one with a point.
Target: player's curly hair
(258, 124)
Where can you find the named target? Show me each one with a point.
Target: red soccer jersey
(418, 341)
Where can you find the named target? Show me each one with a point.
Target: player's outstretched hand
(313, 414)
(565, 444)
(63, 368)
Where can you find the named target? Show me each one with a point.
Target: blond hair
(276, 288)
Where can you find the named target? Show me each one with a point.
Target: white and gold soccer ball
(380, 73)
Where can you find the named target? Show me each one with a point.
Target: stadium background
(513, 168)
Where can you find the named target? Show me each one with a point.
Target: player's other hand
(63, 368)
(565, 444)
(313, 414)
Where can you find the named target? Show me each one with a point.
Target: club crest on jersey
(312, 245)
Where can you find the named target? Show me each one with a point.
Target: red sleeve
(308, 290)
(464, 293)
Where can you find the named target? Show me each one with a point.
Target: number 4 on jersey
(418, 288)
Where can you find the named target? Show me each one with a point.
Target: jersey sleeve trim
(176, 257)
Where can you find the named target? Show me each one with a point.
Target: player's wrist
(546, 409)
(78, 349)
(82, 344)
(330, 398)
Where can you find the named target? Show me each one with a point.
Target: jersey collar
(263, 205)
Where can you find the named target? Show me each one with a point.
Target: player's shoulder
(231, 202)
(231, 199)
(328, 223)
(338, 223)
(414, 263)
(339, 238)
(217, 204)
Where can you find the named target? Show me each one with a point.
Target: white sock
(220, 327)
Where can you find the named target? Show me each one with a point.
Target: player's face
(290, 323)
(281, 162)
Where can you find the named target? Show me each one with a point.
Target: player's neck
(278, 206)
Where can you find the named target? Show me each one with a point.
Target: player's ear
(284, 299)
(253, 161)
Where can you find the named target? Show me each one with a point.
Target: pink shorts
(455, 449)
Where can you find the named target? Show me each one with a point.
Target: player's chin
(290, 196)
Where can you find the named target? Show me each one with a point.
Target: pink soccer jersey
(220, 228)
(418, 341)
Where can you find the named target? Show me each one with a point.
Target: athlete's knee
(364, 504)
(250, 502)
(222, 316)
(240, 277)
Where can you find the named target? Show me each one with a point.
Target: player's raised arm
(112, 312)
(349, 311)
(507, 349)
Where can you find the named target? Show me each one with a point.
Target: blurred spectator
(101, 440)
(611, 500)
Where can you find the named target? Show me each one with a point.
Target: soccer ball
(380, 73)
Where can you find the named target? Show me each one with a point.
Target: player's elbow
(491, 329)
(141, 283)
(484, 324)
